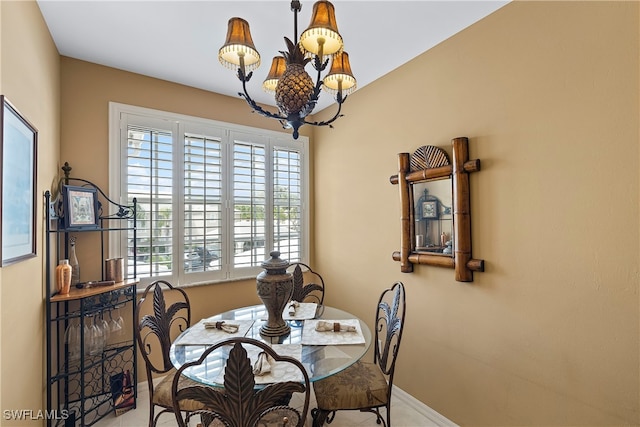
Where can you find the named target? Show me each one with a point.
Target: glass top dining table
(320, 361)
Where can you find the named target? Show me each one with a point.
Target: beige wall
(29, 77)
(547, 92)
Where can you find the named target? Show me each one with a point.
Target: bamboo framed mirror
(436, 209)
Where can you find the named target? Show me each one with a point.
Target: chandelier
(296, 94)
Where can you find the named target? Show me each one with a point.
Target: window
(214, 199)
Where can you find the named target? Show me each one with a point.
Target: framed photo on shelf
(430, 209)
(17, 204)
(80, 205)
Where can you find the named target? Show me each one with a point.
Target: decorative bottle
(73, 261)
(63, 277)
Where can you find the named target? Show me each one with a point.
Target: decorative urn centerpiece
(275, 287)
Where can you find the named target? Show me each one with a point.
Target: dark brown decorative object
(155, 331)
(430, 163)
(429, 157)
(81, 207)
(274, 286)
(240, 403)
(367, 386)
(305, 288)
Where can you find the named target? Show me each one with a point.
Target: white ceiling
(178, 41)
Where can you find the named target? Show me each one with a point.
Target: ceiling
(178, 41)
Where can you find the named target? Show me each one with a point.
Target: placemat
(312, 337)
(199, 335)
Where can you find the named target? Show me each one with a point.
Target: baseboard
(438, 419)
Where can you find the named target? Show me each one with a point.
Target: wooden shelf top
(76, 293)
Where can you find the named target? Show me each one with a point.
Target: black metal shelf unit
(82, 360)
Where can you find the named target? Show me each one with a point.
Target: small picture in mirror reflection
(430, 209)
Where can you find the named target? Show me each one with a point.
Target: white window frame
(181, 124)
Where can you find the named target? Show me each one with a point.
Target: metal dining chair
(240, 403)
(367, 386)
(308, 285)
(156, 326)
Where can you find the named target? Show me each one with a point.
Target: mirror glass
(433, 228)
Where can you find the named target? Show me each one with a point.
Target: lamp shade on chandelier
(296, 94)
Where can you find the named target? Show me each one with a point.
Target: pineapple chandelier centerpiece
(295, 92)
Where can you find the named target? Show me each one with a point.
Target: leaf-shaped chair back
(162, 313)
(308, 286)
(389, 325)
(240, 403)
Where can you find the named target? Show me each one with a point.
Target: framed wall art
(18, 197)
(430, 209)
(80, 206)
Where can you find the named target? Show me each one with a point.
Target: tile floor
(403, 415)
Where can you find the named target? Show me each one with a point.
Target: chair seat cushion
(362, 385)
(162, 392)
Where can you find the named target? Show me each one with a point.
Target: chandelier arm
(254, 105)
(311, 105)
(331, 120)
(319, 68)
